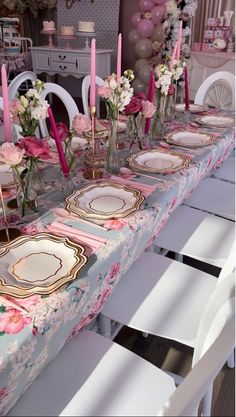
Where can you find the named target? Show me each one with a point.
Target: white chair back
(66, 99)
(21, 78)
(185, 399)
(218, 90)
(85, 94)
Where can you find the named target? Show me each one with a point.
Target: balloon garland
(155, 32)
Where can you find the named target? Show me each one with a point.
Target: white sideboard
(205, 64)
(65, 62)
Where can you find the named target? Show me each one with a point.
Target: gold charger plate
(215, 121)
(38, 264)
(158, 161)
(104, 200)
(193, 108)
(190, 138)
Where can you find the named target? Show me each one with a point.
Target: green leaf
(2, 333)
(2, 308)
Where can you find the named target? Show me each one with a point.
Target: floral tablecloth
(34, 330)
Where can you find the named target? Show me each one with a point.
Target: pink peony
(115, 224)
(134, 106)
(62, 130)
(12, 321)
(81, 123)
(104, 91)
(35, 147)
(11, 154)
(148, 109)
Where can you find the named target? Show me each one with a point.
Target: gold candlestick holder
(7, 234)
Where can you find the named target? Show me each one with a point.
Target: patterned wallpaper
(105, 14)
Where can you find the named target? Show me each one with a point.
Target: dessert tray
(158, 161)
(193, 108)
(104, 200)
(38, 264)
(190, 138)
(215, 121)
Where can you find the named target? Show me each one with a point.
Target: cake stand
(68, 38)
(49, 33)
(86, 35)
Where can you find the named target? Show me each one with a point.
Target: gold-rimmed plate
(193, 108)
(104, 200)
(215, 121)
(190, 138)
(38, 264)
(159, 161)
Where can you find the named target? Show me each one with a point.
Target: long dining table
(34, 329)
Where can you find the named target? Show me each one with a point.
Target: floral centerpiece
(138, 110)
(27, 110)
(116, 95)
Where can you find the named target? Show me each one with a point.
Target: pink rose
(12, 321)
(81, 123)
(148, 109)
(35, 147)
(114, 224)
(62, 130)
(134, 106)
(141, 95)
(104, 91)
(171, 90)
(11, 154)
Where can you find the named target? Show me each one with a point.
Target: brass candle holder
(7, 234)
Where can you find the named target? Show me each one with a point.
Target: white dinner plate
(158, 161)
(215, 121)
(6, 175)
(193, 108)
(38, 264)
(104, 200)
(191, 139)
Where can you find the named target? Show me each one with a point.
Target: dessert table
(34, 329)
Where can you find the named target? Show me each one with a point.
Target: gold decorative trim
(73, 204)
(201, 122)
(20, 292)
(135, 165)
(169, 138)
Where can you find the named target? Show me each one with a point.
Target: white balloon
(140, 63)
(143, 48)
(138, 85)
(133, 36)
(144, 74)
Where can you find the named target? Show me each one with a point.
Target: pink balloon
(146, 5)
(145, 28)
(157, 14)
(159, 1)
(136, 18)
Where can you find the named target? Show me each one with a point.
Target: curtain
(209, 8)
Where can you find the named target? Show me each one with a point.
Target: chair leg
(104, 326)
(231, 361)
(205, 406)
(179, 257)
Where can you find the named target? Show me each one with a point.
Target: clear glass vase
(158, 124)
(135, 131)
(26, 194)
(36, 180)
(112, 156)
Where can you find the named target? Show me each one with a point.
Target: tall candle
(172, 60)
(63, 161)
(186, 88)
(92, 98)
(151, 88)
(179, 39)
(6, 109)
(119, 49)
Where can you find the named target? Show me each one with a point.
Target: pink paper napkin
(145, 189)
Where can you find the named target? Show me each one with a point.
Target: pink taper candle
(172, 60)
(186, 88)
(6, 109)
(179, 39)
(119, 49)
(92, 98)
(151, 88)
(63, 161)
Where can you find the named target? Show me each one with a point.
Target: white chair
(85, 94)
(226, 171)
(16, 83)
(197, 234)
(214, 196)
(94, 376)
(218, 90)
(168, 299)
(67, 100)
